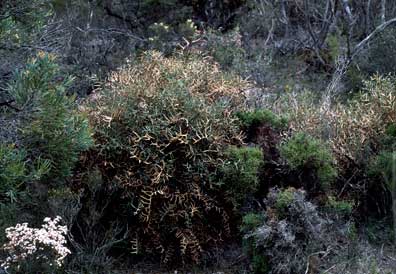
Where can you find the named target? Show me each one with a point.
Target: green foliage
(340, 207)
(262, 116)
(302, 151)
(241, 171)
(383, 166)
(260, 264)
(391, 130)
(54, 130)
(251, 221)
(284, 198)
(21, 20)
(334, 46)
(226, 49)
(12, 171)
(15, 171)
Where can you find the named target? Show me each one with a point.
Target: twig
(8, 104)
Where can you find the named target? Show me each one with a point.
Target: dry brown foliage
(353, 129)
(161, 130)
(201, 74)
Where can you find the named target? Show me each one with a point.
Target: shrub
(251, 221)
(226, 49)
(383, 168)
(161, 133)
(302, 151)
(241, 172)
(53, 129)
(340, 207)
(15, 171)
(21, 20)
(284, 198)
(262, 116)
(197, 74)
(259, 262)
(353, 129)
(288, 236)
(35, 250)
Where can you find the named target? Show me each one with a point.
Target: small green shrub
(261, 116)
(260, 264)
(284, 198)
(12, 171)
(241, 171)
(251, 221)
(53, 129)
(302, 151)
(340, 207)
(391, 130)
(383, 166)
(20, 25)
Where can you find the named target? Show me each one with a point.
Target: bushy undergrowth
(354, 129)
(240, 171)
(260, 117)
(161, 134)
(290, 232)
(303, 152)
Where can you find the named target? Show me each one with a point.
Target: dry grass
(353, 129)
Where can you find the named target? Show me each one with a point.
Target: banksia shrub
(52, 129)
(161, 132)
(14, 172)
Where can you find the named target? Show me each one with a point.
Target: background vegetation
(240, 136)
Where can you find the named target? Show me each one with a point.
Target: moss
(262, 116)
(302, 151)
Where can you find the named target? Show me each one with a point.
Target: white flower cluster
(36, 244)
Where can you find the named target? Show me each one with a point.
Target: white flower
(25, 243)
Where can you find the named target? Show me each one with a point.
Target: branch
(8, 104)
(369, 37)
